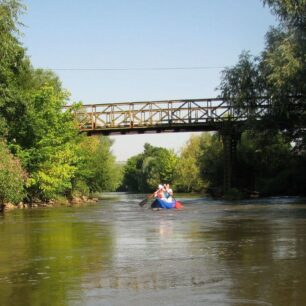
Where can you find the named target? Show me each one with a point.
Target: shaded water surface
(117, 253)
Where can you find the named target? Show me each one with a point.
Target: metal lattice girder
(192, 114)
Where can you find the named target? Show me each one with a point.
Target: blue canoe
(159, 203)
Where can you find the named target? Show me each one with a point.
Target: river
(117, 253)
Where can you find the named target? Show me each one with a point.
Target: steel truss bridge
(165, 116)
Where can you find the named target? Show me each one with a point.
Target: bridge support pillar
(230, 137)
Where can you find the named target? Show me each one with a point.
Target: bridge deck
(164, 116)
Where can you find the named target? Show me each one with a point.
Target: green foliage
(54, 171)
(12, 63)
(243, 82)
(47, 145)
(292, 13)
(145, 171)
(11, 52)
(188, 169)
(261, 156)
(58, 159)
(97, 167)
(266, 162)
(211, 160)
(133, 175)
(12, 177)
(159, 165)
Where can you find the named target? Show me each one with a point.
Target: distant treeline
(266, 163)
(271, 156)
(42, 155)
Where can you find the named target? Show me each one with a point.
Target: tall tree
(279, 72)
(284, 65)
(50, 154)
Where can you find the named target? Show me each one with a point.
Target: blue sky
(60, 34)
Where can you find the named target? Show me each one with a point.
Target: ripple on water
(117, 253)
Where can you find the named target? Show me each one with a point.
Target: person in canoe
(164, 198)
(159, 193)
(168, 192)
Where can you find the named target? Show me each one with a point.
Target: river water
(117, 253)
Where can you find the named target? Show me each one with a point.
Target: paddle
(144, 201)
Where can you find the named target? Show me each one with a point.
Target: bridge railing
(168, 113)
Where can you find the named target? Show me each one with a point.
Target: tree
(50, 154)
(159, 166)
(263, 160)
(13, 62)
(291, 13)
(188, 170)
(241, 84)
(145, 171)
(211, 160)
(97, 167)
(11, 52)
(133, 179)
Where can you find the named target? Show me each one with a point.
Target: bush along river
(118, 253)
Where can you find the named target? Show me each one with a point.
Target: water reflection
(116, 253)
(265, 254)
(46, 254)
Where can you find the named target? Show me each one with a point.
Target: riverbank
(75, 201)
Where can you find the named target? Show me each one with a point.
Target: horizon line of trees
(265, 163)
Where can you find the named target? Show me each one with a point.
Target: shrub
(12, 177)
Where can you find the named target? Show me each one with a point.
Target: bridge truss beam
(163, 116)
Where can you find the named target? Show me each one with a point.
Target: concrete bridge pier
(230, 137)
